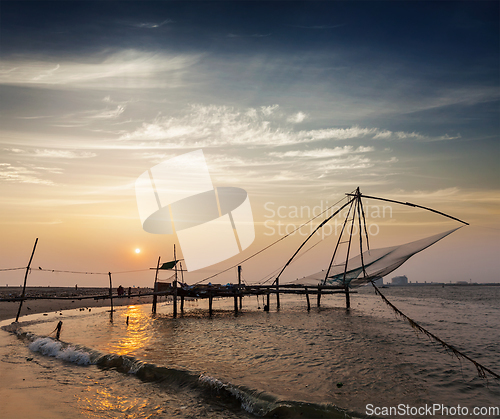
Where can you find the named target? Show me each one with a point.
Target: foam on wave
(50, 347)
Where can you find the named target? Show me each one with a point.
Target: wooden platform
(211, 291)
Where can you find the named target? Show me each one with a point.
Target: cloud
(297, 118)
(149, 25)
(20, 174)
(218, 126)
(323, 153)
(109, 113)
(47, 73)
(64, 154)
(128, 68)
(53, 153)
(268, 110)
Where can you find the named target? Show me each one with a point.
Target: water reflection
(134, 332)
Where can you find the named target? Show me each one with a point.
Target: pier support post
(266, 307)
(175, 298)
(319, 296)
(347, 298)
(155, 297)
(307, 298)
(153, 308)
(111, 297)
(277, 293)
(235, 302)
(210, 301)
(182, 304)
(239, 286)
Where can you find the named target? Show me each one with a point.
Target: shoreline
(8, 309)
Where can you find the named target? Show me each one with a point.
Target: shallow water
(293, 363)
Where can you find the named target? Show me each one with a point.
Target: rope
(481, 369)
(262, 282)
(267, 247)
(87, 273)
(12, 269)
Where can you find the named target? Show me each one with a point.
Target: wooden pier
(238, 291)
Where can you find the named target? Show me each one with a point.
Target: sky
(297, 103)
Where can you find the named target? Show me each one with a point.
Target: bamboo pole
(175, 299)
(25, 278)
(235, 302)
(411, 205)
(182, 294)
(239, 286)
(155, 297)
(277, 293)
(310, 235)
(346, 285)
(338, 243)
(210, 303)
(111, 296)
(307, 298)
(175, 287)
(318, 303)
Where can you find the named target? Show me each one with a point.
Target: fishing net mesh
(377, 263)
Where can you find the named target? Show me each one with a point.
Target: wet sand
(8, 310)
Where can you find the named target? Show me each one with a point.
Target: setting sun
(137, 250)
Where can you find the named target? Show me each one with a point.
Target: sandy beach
(8, 309)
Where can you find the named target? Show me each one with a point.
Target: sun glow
(137, 250)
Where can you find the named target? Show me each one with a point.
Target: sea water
(327, 362)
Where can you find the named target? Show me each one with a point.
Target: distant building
(379, 282)
(400, 280)
(462, 283)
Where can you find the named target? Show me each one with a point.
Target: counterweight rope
(481, 369)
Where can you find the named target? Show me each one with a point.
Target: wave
(50, 347)
(254, 402)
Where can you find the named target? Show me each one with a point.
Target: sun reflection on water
(135, 334)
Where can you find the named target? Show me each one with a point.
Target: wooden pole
(277, 293)
(210, 301)
(25, 278)
(319, 297)
(182, 274)
(307, 298)
(236, 302)
(266, 307)
(155, 297)
(410, 205)
(111, 295)
(175, 298)
(239, 286)
(346, 284)
(175, 287)
(182, 295)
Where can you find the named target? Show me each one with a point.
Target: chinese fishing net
(377, 263)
